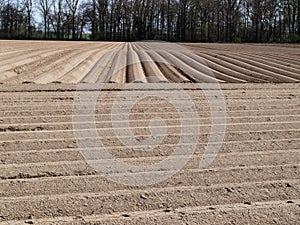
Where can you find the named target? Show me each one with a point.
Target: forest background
(236, 21)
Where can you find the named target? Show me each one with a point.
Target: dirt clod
(143, 196)
(167, 210)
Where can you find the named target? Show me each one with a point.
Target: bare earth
(254, 179)
(102, 62)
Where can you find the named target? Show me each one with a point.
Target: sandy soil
(254, 179)
(44, 178)
(146, 62)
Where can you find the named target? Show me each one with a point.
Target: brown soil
(146, 62)
(44, 178)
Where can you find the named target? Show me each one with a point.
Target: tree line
(170, 20)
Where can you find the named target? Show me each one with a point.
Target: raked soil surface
(59, 99)
(254, 178)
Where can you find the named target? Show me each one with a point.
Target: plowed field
(147, 62)
(45, 179)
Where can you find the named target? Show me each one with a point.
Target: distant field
(45, 179)
(102, 62)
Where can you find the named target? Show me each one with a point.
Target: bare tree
(44, 7)
(58, 15)
(176, 20)
(28, 8)
(73, 6)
